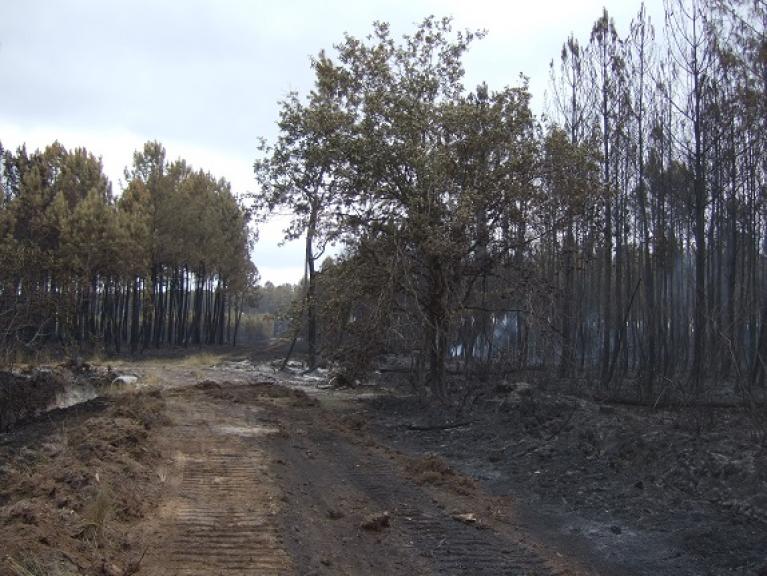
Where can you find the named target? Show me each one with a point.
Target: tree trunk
(311, 288)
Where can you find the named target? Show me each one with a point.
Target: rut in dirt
(212, 531)
(424, 537)
(267, 482)
(220, 519)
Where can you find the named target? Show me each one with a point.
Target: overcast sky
(205, 77)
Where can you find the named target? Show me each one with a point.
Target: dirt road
(218, 515)
(265, 480)
(227, 469)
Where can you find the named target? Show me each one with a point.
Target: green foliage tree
(417, 164)
(78, 266)
(301, 172)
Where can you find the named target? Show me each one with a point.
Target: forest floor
(220, 465)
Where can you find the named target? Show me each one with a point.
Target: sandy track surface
(263, 479)
(219, 513)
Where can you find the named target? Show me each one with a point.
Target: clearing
(223, 466)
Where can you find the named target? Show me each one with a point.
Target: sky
(205, 77)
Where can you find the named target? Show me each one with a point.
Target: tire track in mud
(423, 536)
(456, 548)
(265, 482)
(219, 519)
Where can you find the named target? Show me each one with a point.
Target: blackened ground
(652, 492)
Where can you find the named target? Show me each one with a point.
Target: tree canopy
(619, 236)
(167, 261)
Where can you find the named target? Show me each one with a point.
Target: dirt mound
(69, 504)
(26, 395)
(434, 470)
(209, 386)
(376, 522)
(255, 390)
(147, 409)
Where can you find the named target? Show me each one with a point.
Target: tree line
(620, 237)
(167, 262)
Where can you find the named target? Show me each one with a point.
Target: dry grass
(199, 359)
(97, 515)
(195, 360)
(28, 567)
(35, 567)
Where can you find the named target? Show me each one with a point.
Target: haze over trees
(168, 262)
(619, 237)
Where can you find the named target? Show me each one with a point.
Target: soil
(228, 467)
(677, 492)
(76, 486)
(28, 393)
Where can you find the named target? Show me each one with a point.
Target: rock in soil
(376, 522)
